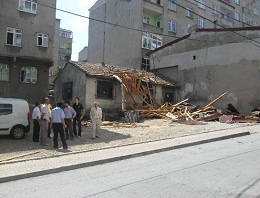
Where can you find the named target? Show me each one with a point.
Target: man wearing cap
(36, 116)
(70, 114)
(96, 119)
(58, 125)
(45, 119)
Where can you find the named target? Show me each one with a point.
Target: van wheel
(18, 132)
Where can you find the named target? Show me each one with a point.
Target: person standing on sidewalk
(49, 128)
(80, 111)
(70, 114)
(36, 116)
(96, 119)
(58, 125)
(45, 119)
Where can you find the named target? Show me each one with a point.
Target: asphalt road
(229, 168)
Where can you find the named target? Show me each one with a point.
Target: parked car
(14, 117)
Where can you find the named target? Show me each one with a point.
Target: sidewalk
(69, 161)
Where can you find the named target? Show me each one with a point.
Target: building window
(168, 95)
(189, 13)
(255, 11)
(6, 109)
(4, 72)
(66, 34)
(214, 9)
(172, 26)
(201, 22)
(64, 45)
(105, 89)
(42, 40)
(248, 20)
(146, 64)
(202, 4)
(14, 37)
(237, 2)
(67, 91)
(151, 41)
(237, 16)
(255, 24)
(145, 19)
(51, 72)
(28, 75)
(27, 6)
(172, 5)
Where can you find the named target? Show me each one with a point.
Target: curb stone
(109, 160)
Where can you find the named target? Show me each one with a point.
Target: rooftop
(109, 71)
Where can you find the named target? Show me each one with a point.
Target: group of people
(45, 118)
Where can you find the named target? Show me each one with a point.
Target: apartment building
(26, 48)
(133, 28)
(62, 50)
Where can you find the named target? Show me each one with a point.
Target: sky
(78, 25)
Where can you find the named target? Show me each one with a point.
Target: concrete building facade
(62, 50)
(153, 23)
(26, 48)
(205, 70)
(83, 55)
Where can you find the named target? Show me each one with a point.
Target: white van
(14, 117)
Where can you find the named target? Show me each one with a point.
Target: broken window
(42, 40)
(105, 89)
(14, 37)
(67, 91)
(28, 75)
(4, 72)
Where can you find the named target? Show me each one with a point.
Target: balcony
(152, 7)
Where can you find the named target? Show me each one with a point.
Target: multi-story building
(83, 55)
(62, 50)
(133, 28)
(26, 48)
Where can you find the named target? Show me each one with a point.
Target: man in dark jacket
(80, 111)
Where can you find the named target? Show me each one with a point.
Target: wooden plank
(215, 100)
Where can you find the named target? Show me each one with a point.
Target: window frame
(146, 20)
(202, 4)
(146, 64)
(201, 22)
(189, 13)
(45, 38)
(173, 25)
(110, 95)
(255, 11)
(153, 41)
(237, 2)
(15, 32)
(172, 5)
(33, 77)
(22, 6)
(237, 14)
(4, 71)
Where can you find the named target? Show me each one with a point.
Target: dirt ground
(149, 130)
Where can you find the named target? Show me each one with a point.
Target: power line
(219, 24)
(243, 23)
(116, 25)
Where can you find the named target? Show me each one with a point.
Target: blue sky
(78, 25)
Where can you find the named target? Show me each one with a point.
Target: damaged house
(212, 61)
(114, 88)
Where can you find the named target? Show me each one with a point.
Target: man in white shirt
(45, 119)
(36, 116)
(96, 119)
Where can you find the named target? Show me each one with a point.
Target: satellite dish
(188, 29)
